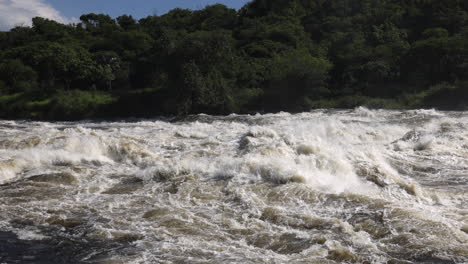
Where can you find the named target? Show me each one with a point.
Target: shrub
(77, 104)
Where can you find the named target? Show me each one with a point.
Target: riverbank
(79, 105)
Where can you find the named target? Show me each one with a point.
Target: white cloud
(20, 12)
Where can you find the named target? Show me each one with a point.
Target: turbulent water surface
(354, 186)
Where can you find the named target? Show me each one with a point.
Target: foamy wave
(358, 186)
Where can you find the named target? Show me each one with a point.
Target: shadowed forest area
(275, 55)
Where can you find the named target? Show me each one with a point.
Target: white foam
(232, 187)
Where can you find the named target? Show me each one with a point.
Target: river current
(351, 186)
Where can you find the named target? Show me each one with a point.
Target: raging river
(350, 186)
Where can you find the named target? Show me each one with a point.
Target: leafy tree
(134, 43)
(436, 59)
(19, 36)
(126, 22)
(17, 76)
(3, 41)
(215, 17)
(99, 24)
(108, 64)
(93, 20)
(203, 59)
(271, 55)
(55, 61)
(177, 19)
(295, 78)
(3, 88)
(48, 29)
(75, 104)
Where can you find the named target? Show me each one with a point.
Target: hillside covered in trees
(271, 55)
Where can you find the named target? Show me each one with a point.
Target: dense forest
(271, 55)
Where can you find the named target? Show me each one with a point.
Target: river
(327, 186)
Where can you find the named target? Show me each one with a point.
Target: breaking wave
(350, 186)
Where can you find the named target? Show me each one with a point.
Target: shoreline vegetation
(269, 56)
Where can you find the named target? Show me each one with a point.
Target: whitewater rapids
(351, 186)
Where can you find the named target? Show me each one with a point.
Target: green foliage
(436, 59)
(215, 17)
(96, 20)
(271, 55)
(76, 104)
(435, 33)
(3, 40)
(126, 22)
(3, 87)
(48, 29)
(443, 96)
(9, 105)
(203, 61)
(294, 77)
(23, 105)
(17, 76)
(56, 62)
(19, 36)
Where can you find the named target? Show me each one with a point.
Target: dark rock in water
(156, 213)
(245, 141)
(306, 150)
(412, 136)
(256, 137)
(56, 178)
(465, 229)
(284, 244)
(169, 174)
(126, 187)
(417, 137)
(67, 223)
(342, 255)
(431, 258)
(15, 250)
(58, 248)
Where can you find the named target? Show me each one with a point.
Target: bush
(295, 77)
(3, 87)
(18, 76)
(442, 96)
(77, 104)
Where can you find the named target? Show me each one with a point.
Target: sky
(20, 12)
